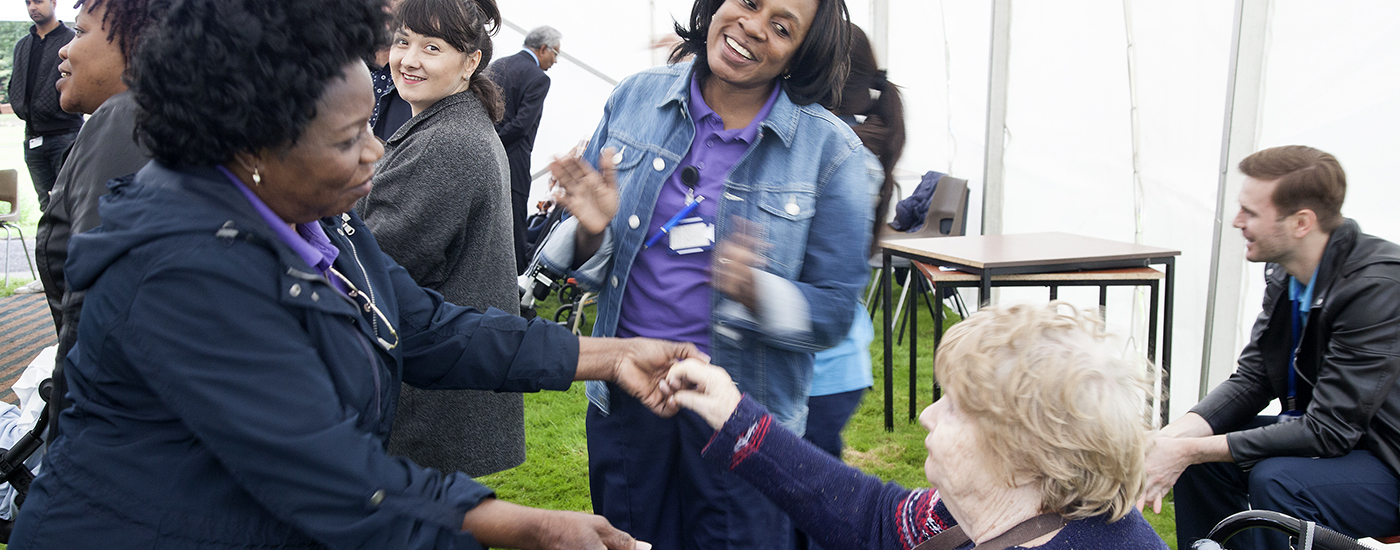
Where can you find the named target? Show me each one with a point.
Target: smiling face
(751, 42)
(330, 166)
(1266, 233)
(41, 11)
(427, 68)
(92, 66)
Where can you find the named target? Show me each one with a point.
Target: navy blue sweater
(842, 508)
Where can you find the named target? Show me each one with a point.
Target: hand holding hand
(590, 195)
(703, 388)
(643, 366)
(570, 530)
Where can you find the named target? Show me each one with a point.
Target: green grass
(555, 473)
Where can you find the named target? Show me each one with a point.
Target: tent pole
(880, 30)
(992, 167)
(1239, 139)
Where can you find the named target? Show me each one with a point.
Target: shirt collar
(1300, 294)
(532, 55)
(782, 119)
(309, 241)
(699, 111)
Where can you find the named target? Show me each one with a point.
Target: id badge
(35, 142)
(691, 235)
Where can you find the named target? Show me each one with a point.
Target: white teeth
(742, 51)
(64, 75)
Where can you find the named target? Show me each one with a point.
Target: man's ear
(1302, 222)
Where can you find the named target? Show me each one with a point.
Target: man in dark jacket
(523, 86)
(48, 131)
(1327, 346)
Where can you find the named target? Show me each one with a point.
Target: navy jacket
(523, 88)
(226, 396)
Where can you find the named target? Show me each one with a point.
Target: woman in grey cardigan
(441, 208)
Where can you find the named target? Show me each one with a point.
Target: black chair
(946, 217)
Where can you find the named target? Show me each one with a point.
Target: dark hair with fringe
(818, 69)
(222, 77)
(126, 20)
(466, 25)
(883, 130)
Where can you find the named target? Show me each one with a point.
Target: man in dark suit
(523, 86)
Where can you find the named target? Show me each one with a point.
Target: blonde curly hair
(1057, 402)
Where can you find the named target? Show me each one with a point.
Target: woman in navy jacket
(243, 338)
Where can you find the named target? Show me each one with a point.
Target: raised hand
(590, 195)
(703, 388)
(736, 259)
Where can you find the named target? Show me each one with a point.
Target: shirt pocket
(786, 218)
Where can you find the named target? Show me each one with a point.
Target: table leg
(913, 308)
(1167, 295)
(1152, 332)
(1054, 292)
(937, 337)
(984, 290)
(889, 340)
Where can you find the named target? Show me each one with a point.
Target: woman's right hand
(703, 388)
(590, 195)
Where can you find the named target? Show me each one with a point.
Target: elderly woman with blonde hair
(1037, 442)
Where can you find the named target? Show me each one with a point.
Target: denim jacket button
(634, 221)
(614, 281)
(295, 290)
(658, 164)
(793, 209)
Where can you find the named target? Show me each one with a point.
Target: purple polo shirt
(309, 241)
(668, 296)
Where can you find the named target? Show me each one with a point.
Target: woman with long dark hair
(718, 203)
(441, 208)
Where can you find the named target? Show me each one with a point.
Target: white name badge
(691, 235)
(35, 142)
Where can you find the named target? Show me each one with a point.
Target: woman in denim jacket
(720, 174)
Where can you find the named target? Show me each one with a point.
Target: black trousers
(1355, 495)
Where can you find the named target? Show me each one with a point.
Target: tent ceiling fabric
(1331, 80)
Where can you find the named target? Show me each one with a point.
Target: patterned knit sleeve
(837, 505)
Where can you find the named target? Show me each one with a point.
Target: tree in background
(11, 32)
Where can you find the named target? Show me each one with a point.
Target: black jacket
(523, 87)
(106, 149)
(1348, 361)
(41, 112)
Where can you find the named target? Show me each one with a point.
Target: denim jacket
(806, 181)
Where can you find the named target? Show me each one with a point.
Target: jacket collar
(443, 104)
(781, 121)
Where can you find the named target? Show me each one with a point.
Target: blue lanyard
(1298, 324)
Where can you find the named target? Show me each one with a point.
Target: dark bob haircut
(466, 25)
(222, 77)
(818, 69)
(126, 20)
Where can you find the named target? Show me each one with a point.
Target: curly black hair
(222, 77)
(817, 71)
(466, 25)
(125, 20)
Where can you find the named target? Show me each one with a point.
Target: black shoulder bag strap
(1023, 532)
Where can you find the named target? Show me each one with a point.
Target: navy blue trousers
(647, 478)
(1355, 495)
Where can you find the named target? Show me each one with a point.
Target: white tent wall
(1331, 81)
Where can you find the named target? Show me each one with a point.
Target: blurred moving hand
(736, 260)
(590, 195)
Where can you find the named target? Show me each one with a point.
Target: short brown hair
(1307, 178)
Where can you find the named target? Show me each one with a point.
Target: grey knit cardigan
(440, 207)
